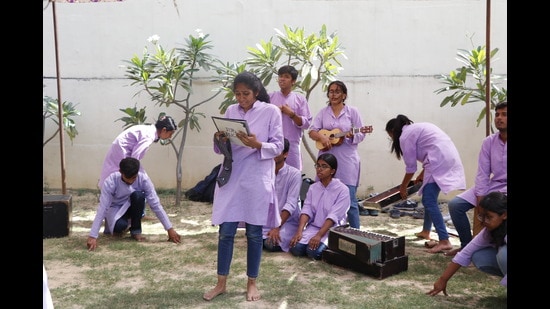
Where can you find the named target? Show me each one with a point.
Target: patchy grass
(123, 273)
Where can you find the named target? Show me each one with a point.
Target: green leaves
(50, 110)
(464, 90)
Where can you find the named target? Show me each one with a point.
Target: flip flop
(430, 244)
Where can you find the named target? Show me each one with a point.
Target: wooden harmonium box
(370, 253)
(367, 247)
(389, 196)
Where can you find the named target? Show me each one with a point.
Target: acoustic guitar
(336, 136)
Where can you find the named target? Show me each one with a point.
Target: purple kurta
(428, 144)
(349, 163)
(492, 169)
(132, 142)
(322, 203)
(114, 201)
(480, 241)
(288, 182)
(291, 131)
(250, 193)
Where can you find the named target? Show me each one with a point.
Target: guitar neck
(352, 131)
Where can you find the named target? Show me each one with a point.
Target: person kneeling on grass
(326, 205)
(122, 202)
(488, 250)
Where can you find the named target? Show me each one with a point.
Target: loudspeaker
(56, 215)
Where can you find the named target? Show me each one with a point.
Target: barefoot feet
(423, 235)
(138, 237)
(217, 290)
(252, 293)
(442, 245)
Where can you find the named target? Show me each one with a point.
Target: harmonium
(389, 196)
(373, 254)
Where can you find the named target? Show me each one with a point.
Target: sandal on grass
(431, 243)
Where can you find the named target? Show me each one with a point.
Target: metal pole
(59, 104)
(488, 71)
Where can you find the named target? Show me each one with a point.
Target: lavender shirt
(492, 169)
(132, 142)
(250, 193)
(480, 241)
(291, 131)
(322, 203)
(428, 144)
(349, 164)
(288, 182)
(114, 201)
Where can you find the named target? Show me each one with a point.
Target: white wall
(395, 48)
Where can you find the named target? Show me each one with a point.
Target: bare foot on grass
(139, 237)
(442, 245)
(252, 293)
(217, 290)
(423, 234)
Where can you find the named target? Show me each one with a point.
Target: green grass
(122, 273)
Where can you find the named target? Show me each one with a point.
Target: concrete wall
(394, 50)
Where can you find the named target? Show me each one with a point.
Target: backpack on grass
(203, 191)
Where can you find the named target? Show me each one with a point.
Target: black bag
(203, 191)
(306, 182)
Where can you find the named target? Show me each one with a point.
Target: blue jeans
(353, 212)
(303, 250)
(226, 240)
(457, 209)
(134, 212)
(492, 260)
(432, 214)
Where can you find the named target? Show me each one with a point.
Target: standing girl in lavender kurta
(250, 193)
(442, 169)
(345, 118)
(325, 206)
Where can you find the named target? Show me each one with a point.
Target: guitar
(336, 136)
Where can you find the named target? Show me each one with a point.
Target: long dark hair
(342, 87)
(395, 127)
(254, 83)
(497, 202)
(330, 159)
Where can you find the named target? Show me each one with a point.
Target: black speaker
(56, 215)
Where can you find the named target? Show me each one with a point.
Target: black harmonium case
(371, 253)
(56, 215)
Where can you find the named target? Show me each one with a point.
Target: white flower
(199, 31)
(154, 39)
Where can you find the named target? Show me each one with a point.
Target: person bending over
(122, 201)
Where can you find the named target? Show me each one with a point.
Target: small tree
(50, 110)
(162, 75)
(465, 92)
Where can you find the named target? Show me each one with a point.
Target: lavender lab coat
(132, 142)
(114, 201)
(288, 182)
(322, 203)
(492, 169)
(250, 193)
(428, 144)
(291, 131)
(349, 164)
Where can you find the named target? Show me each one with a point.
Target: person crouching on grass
(488, 250)
(122, 201)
